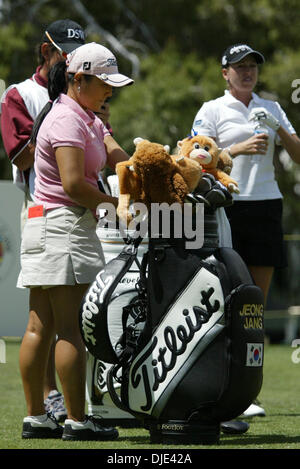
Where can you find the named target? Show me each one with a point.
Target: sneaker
(90, 429)
(254, 410)
(55, 405)
(41, 426)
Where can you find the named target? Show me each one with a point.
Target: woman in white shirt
(233, 120)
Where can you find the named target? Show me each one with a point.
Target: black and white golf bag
(191, 350)
(97, 394)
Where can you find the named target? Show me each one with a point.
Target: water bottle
(259, 128)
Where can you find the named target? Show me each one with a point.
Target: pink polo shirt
(67, 125)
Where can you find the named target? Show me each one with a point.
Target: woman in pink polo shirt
(60, 251)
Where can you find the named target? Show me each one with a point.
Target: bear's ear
(167, 148)
(137, 140)
(179, 143)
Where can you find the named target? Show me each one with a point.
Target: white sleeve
(205, 122)
(284, 122)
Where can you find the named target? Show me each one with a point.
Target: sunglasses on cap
(62, 53)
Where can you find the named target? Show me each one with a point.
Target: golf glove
(264, 117)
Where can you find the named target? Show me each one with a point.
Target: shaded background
(172, 48)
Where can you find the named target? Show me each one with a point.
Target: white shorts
(60, 248)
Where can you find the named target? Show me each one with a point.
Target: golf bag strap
(112, 391)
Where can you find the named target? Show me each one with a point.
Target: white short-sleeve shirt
(226, 119)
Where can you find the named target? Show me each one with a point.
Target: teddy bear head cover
(152, 175)
(213, 160)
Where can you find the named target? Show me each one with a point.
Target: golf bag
(97, 395)
(191, 352)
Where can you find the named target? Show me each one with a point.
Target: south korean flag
(254, 355)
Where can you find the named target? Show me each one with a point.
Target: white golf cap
(94, 59)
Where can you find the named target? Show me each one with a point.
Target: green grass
(278, 430)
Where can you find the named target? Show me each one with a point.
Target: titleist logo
(174, 341)
(90, 307)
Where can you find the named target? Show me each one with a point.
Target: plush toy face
(205, 151)
(200, 148)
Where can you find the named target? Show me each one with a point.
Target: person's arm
(115, 153)
(16, 126)
(256, 144)
(25, 159)
(291, 142)
(204, 124)
(70, 161)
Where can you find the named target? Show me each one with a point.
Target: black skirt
(257, 233)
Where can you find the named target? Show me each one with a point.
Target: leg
(34, 349)
(50, 379)
(53, 399)
(262, 276)
(70, 355)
